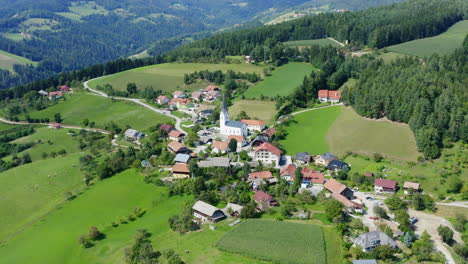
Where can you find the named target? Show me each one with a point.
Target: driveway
(463, 204)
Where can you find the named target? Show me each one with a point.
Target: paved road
(463, 204)
(339, 43)
(140, 102)
(63, 126)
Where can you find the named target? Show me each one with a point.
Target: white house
(329, 96)
(229, 127)
(206, 212)
(254, 125)
(267, 154)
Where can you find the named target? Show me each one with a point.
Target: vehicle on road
(369, 198)
(372, 217)
(413, 220)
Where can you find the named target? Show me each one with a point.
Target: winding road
(137, 101)
(102, 131)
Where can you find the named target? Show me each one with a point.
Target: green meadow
(12, 36)
(168, 77)
(283, 81)
(351, 132)
(442, 44)
(101, 110)
(7, 60)
(262, 110)
(309, 131)
(311, 42)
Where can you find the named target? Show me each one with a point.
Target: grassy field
(263, 110)
(351, 132)
(32, 24)
(4, 126)
(310, 42)
(390, 56)
(168, 77)
(442, 44)
(102, 110)
(309, 132)
(13, 36)
(280, 242)
(7, 60)
(283, 81)
(32, 190)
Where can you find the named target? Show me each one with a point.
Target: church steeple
(224, 115)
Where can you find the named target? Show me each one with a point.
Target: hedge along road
(137, 101)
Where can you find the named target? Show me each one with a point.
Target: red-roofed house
(178, 94)
(288, 172)
(166, 128)
(254, 125)
(56, 125)
(264, 200)
(260, 175)
(162, 99)
(220, 146)
(197, 96)
(329, 96)
(211, 88)
(65, 88)
(270, 132)
(240, 140)
(311, 177)
(385, 186)
(181, 171)
(176, 135)
(55, 95)
(181, 103)
(267, 154)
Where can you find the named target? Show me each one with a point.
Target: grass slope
(7, 60)
(167, 77)
(309, 132)
(30, 191)
(442, 44)
(282, 82)
(262, 110)
(280, 242)
(351, 132)
(311, 42)
(102, 110)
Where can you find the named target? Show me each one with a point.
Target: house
(217, 162)
(64, 88)
(197, 96)
(256, 183)
(176, 135)
(211, 96)
(407, 186)
(181, 171)
(264, 200)
(176, 147)
(233, 210)
(166, 128)
(247, 59)
(385, 186)
(178, 94)
(303, 158)
(269, 132)
(162, 99)
(329, 96)
(240, 140)
(206, 113)
(56, 125)
(365, 261)
(132, 135)
(324, 159)
(181, 103)
(220, 147)
(370, 240)
(267, 154)
(254, 125)
(211, 88)
(368, 174)
(311, 177)
(182, 158)
(43, 93)
(334, 186)
(287, 173)
(337, 165)
(258, 141)
(55, 95)
(260, 175)
(207, 213)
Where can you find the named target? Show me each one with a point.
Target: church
(229, 127)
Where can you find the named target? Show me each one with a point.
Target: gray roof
(215, 162)
(182, 158)
(235, 207)
(204, 208)
(328, 156)
(374, 238)
(302, 155)
(365, 261)
(237, 124)
(133, 133)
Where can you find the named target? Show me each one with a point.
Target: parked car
(413, 220)
(372, 217)
(369, 198)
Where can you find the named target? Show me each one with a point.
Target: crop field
(167, 77)
(262, 110)
(7, 60)
(283, 81)
(32, 190)
(442, 44)
(351, 132)
(311, 42)
(309, 131)
(276, 241)
(102, 111)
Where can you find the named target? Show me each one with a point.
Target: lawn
(102, 111)
(311, 42)
(442, 44)
(4, 126)
(7, 60)
(168, 77)
(276, 241)
(309, 131)
(262, 110)
(351, 132)
(283, 81)
(32, 190)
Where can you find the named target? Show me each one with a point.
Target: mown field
(310, 42)
(7, 60)
(283, 81)
(276, 241)
(101, 111)
(168, 77)
(351, 132)
(309, 131)
(442, 44)
(262, 110)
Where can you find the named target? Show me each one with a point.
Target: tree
(333, 209)
(395, 203)
(408, 239)
(446, 234)
(249, 210)
(243, 115)
(297, 179)
(380, 212)
(141, 251)
(94, 233)
(58, 118)
(383, 252)
(423, 247)
(131, 88)
(402, 217)
(232, 145)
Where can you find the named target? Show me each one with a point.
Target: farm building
(56, 125)
(43, 93)
(269, 132)
(232, 210)
(343, 194)
(166, 128)
(181, 171)
(264, 200)
(385, 186)
(55, 95)
(267, 154)
(211, 88)
(370, 240)
(254, 125)
(177, 147)
(64, 88)
(257, 141)
(132, 134)
(197, 96)
(207, 213)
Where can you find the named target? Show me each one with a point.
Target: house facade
(267, 154)
(162, 99)
(176, 135)
(329, 96)
(178, 94)
(205, 212)
(324, 159)
(385, 186)
(264, 200)
(181, 171)
(254, 125)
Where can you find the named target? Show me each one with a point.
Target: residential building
(407, 186)
(182, 158)
(181, 171)
(162, 99)
(211, 88)
(240, 140)
(269, 132)
(337, 165)
(132, 134)
(260, 175)
(229, 127)
(258, 141)
(166, 128)
(233, 210)
(55, 95)
(329, 96)
(145, 164)
(181, 103)
(264, 200)
(205, 212)
(64, 88)
(370, 240)
(343, 194)
(312, 178)
(267, 154)
(287, 173)
(385, 186)
(176, 147)
(176, 135)
(217, 162)
(206, 113)
(254, 125)
(324, 159)
(197, 96)
(303, 158)
(43, 93)
(220, 147)
(178, 94)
